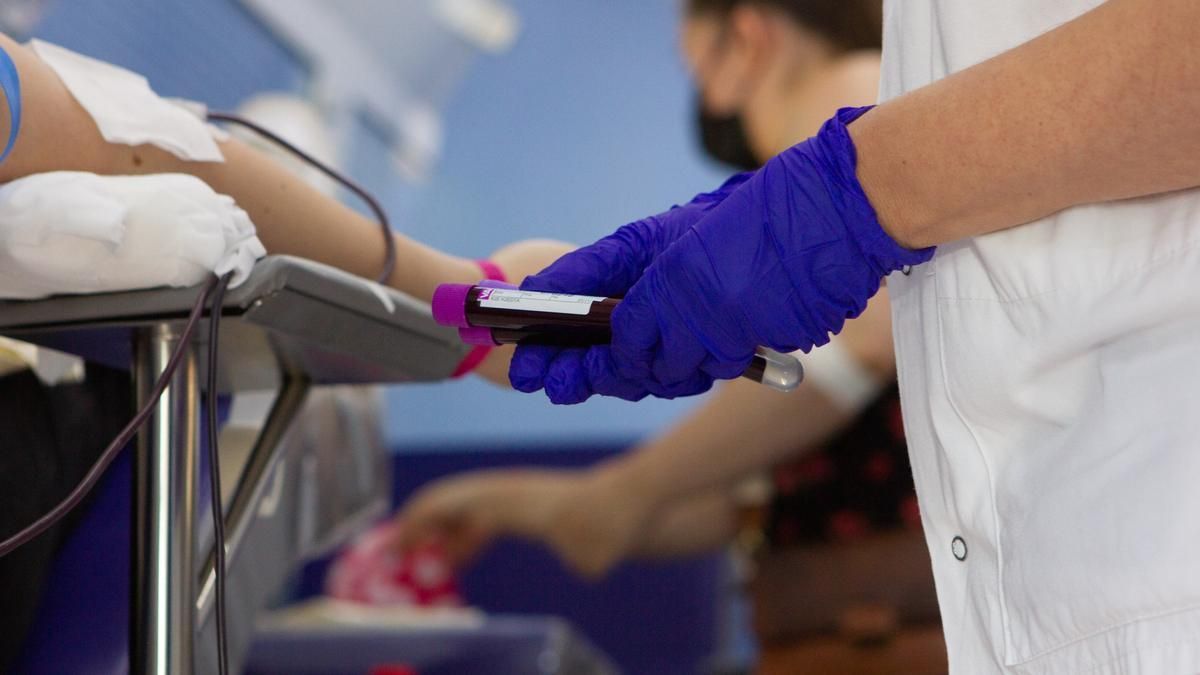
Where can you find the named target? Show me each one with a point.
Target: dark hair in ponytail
(848, 24)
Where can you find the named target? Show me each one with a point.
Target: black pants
(49, 437)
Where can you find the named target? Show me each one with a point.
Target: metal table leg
(164, 506)
(261, 481)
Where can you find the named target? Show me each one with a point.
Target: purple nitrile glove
(608, 268)
(781, 262)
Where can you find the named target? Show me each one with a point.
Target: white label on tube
(532, 301)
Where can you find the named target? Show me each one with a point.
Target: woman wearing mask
(1030, 188)
(768, 73)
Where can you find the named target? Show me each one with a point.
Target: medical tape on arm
(10, 82)
(126, 110)
(846, 382)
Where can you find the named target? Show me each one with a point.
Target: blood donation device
(494, 313)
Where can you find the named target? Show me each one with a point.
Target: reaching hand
(587, 520)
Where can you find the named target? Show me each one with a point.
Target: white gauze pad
(126, 109)
(69, 232)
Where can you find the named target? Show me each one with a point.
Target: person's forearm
(1102, 108)
(293, 218)
(745, 427)
(742, 428)
(296, 219)
(693, 525)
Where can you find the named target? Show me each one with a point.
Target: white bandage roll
(838, 374)
(70, 232)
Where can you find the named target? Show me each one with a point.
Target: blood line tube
(496, 314)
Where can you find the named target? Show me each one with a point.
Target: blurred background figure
(839, 541)
(472, 120)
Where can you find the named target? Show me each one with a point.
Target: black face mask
(724, 138)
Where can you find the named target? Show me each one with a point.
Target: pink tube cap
(450, 305)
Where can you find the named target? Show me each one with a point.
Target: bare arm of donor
(57, 134)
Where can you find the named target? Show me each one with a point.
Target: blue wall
(207, 50)
(581, 127)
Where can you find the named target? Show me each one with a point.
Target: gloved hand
(609, 268)
(781, 262)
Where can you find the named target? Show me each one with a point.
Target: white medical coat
(1050, 377)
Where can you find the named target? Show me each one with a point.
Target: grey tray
(291, 316)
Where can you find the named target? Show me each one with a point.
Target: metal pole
(165, 478)
(288, 403)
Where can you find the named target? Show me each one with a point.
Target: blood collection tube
(494, 314)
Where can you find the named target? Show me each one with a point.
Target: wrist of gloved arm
(819, 239)
(782, 262)
(880, 248)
